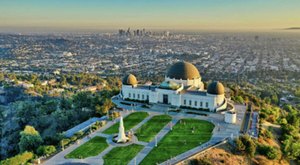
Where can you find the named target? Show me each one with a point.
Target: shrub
(46, 150)
(79, 134)
(115, 115)
(245, 143)
(239, 99)
(64, 142)
(272, 153)
(268, 134)
(73, 138)
(94, 127)
(203, 161)
(97, 123)
(268, 151)
(239, 145)
(102, 123)
(18, 159)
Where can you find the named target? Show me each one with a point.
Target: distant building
(182, 88)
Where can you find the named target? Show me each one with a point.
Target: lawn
(180, 139)
(91, 148)
(122, 155)
(148, 130)
(129, 122)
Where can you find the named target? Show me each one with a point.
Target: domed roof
(129, 80)
(215, 88)
(183, 70)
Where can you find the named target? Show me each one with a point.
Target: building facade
(182, 88)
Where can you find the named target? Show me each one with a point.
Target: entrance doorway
(165, 99)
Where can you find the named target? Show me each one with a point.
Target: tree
(65, 103)
(82, 99)
(26, 112)
(283, 121)
(291, 149)
(107, 105)
(295, 151)
(1, 76)
(30, 139)
(297, 92)
(274, 99)
(250, 148)
(63, 80)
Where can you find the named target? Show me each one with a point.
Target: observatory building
(182, 87)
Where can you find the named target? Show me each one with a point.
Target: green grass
(174, 144)
(148, 130)
(122, 155)
(91, 148)
(129, 122)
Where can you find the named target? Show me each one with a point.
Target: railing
(182, 159)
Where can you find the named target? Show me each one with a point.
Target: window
(129, 95)
(138, 96)
(201, 104)
(190, 102)
(195, 103)
(134, 95)
(143, 97)
(184, 102)
(206, 104)
(147, 97)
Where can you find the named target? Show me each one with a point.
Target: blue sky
(156, 14)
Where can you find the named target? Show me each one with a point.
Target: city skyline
(93, 15)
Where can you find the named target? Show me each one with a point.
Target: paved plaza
(221, 131)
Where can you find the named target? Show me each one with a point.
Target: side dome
(216, 88)
(129, 80)
(183, 70)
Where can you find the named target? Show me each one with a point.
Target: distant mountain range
(292, 28)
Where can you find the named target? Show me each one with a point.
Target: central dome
(183, 70)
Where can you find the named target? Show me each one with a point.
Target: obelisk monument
(121, 136)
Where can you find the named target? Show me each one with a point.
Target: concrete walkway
(96, 160)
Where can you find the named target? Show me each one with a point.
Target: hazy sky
(154, 14)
